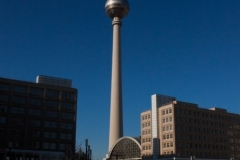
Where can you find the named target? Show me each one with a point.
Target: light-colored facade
(183, 130)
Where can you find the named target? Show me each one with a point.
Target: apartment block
(180, 129)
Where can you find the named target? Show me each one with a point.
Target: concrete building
(37, 120)
(173, 128)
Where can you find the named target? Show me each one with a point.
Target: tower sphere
(117, 8)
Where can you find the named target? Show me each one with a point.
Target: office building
(37, 120)
(172, 128)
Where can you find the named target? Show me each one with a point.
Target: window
(69, 116)
(52, 93)
(20, 89)
(19, 100)
(50, 124)
(36, 102)
(16, 132)
(4, 98)
(34, 134)
(18, 110)
(34, 123)
(163, 112)
(164, 145)
(67, 106)
(67, 126)
(4, 87)
(3, 120)
(68, 96)
(170, 110)
(36, 91)
(3, 109)
(52, 104)
(66, 136)
(34, 112)
(51, 114)
(167, 128)
(32, 144)
(17, 121)
(50, 135)
(3, 131)
(166, 111)
(48, 145)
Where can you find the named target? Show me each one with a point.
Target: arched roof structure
(126, 148)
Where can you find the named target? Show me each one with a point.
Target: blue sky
(183, 48)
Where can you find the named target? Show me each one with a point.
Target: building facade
(179, 129)
(37, 120)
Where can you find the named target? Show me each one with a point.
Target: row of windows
(37, 134)
(37, 91)
(146, 117)
(201, 130)
(37, 102)
(231, 140)
(166, 128)
(201, 138)
(146, 147)
(206, 115)
(167, 111)
(34, 144)
(168, 119)
(201, 122)
(233, 133)
(36, 123)
(168, 144)
(146, 132)
(146, 140)
(147, 124)
(48, 114)
(206, 154)
(202, 146)
(167, 152)
(167, 136)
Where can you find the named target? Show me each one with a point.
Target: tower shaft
(116, 116)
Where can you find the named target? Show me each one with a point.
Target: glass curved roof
(126, 148)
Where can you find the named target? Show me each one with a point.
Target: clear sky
(189, 49)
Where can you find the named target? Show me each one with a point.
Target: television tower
(116, 10)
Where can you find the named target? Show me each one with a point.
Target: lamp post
(116, 10)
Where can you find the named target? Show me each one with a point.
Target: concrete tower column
(116, 117)
(116, 9)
